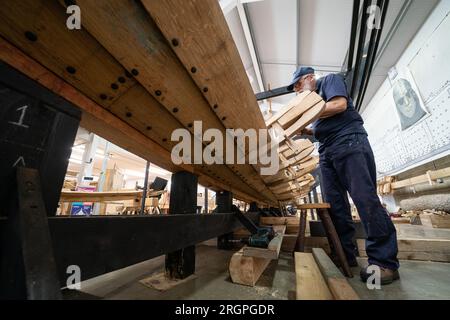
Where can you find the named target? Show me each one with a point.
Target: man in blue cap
(347, 165)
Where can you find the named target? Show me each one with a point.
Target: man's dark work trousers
(348, 165)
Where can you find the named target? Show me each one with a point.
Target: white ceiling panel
(324, 32)
(234, 24)
(274, 25)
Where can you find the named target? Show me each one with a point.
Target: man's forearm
(333, 108)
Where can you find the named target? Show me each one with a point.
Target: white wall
(426, 64)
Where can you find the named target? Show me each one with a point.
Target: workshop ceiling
(288, 33)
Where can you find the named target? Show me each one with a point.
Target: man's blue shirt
(328, 130)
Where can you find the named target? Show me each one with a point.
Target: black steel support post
(224, 202)
(183, 200)
(27, 265)
(37, 130)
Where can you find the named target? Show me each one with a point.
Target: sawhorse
(333, 238)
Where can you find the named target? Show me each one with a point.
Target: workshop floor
(419, 280)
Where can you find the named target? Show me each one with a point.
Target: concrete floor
(419, 280)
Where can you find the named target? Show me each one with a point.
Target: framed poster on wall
(408, 102)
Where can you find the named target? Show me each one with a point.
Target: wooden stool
(333, 239)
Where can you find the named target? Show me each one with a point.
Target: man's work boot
(387, 276)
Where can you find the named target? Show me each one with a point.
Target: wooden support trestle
(333, 238)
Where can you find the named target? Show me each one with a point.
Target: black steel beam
(360, 48)
(372, 53)
(273, 93)
(37, 130)
(353, 33)
(100, 245)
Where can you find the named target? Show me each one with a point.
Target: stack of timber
(387, 185)
(294, 180)
(141, 70)
(105, 196)
(291, 223)
(248, 264)
(318, 278)
(419, 243)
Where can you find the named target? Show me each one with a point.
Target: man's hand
(333, 107)
(306, 132)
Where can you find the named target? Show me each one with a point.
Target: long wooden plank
(54, 16)
(440, 221)
(83, 46)
(273, 249)
(79, 196)
(291, 223)
(280, 221)
(337, 283)
(159, 70)
(291, 104)
(431, 175)
(94, 117)
(309, 281)
(206, 45)
(140, 104)
(290, 117)
(93, 71)
(418, 249)
(205, 42)
(306, 119)
(105, 124)
(405, 231)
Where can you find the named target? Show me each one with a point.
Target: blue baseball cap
(302, 71)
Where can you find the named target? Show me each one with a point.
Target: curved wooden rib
(284, 177)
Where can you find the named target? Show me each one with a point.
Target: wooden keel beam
(206, 44)
(159, 70)
(133, 133)
(103, 123)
